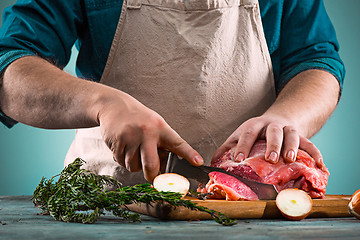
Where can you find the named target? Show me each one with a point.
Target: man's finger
(119, 154)
(246, 141)
(171, 141)
(222, 149)
(291, 144)
(132, 159)
(150, 160)
(314, 152)
(274, 140)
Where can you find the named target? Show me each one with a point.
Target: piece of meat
(223, 186)
(303, 173)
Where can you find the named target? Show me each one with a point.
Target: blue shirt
(299, 35)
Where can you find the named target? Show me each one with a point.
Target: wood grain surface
(20, 220)
(331, 206)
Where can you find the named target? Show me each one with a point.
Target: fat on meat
(302, 174)
(223, 186)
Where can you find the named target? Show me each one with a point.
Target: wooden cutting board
(330, 206)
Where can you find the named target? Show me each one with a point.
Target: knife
(201, 175)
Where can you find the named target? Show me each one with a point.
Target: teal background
(27, 153)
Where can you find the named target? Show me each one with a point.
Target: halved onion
(171, 182)
(294, 204)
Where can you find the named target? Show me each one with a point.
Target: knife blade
(201, 175)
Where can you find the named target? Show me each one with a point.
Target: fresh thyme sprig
(81, 196)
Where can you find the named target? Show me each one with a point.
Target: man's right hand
(53, 99)
(134, 133)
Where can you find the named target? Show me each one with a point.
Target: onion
(354, 204)
(294, 204)
(171, 182)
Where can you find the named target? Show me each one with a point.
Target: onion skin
(297, 218)
(354, 205)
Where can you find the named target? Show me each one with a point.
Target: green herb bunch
(81, 196)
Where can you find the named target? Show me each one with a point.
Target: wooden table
(21, 220)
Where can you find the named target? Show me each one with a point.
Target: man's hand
(282, 138)
(53, 99)
(300, 110)
(134, 133)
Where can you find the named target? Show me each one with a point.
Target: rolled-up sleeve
(308, 41)
(46, 28)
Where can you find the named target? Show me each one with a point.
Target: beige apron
(203, 65)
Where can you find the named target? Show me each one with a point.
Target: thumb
(172, 141)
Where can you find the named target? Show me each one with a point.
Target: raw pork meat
(225, 186)
(302, 174)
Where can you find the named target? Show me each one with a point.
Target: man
(192, 77)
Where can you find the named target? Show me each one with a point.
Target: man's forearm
(307, 101)
(36, 93)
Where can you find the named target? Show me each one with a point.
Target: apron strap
(188, 5)
(248, 2)
(133, 4)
